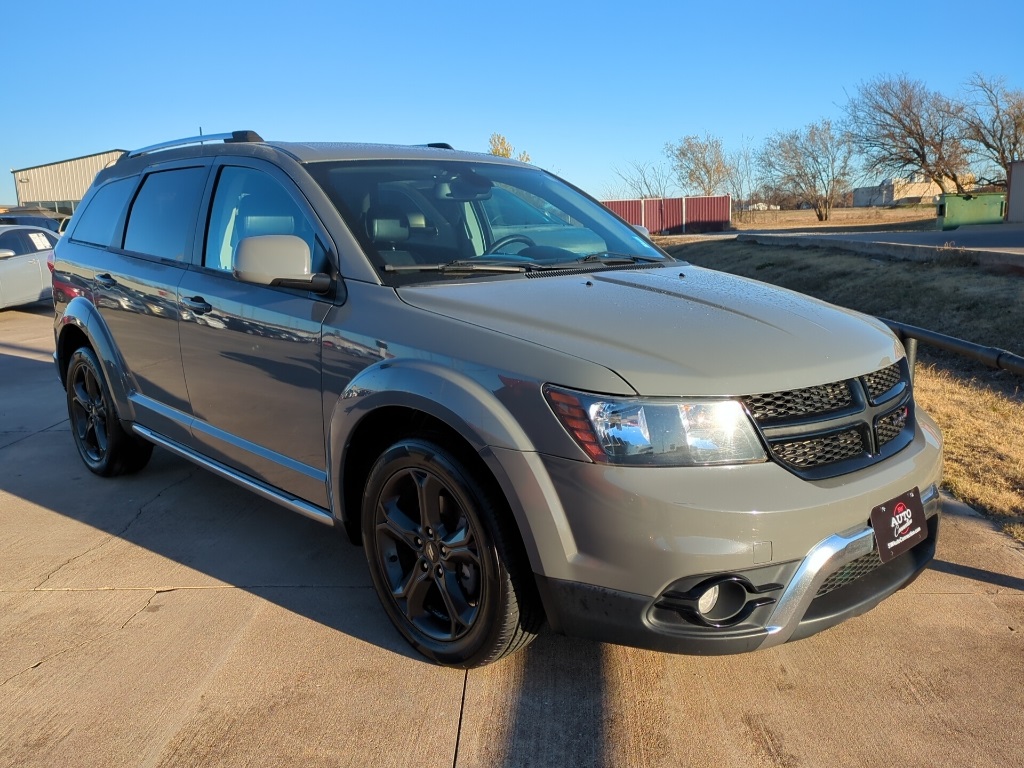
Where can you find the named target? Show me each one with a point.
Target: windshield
(412, 216)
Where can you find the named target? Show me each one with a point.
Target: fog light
(724, 603)
(707, 600)
(718, 602)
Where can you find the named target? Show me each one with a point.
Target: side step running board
(271, 494)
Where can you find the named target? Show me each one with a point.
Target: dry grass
(984, 440)
(980, 411)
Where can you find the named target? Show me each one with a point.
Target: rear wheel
(444, 557)
(102, 443)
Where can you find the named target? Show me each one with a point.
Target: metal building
(60, 186)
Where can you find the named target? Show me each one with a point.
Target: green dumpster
(980, 208)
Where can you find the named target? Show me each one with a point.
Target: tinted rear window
(163, 215)
(96, 223)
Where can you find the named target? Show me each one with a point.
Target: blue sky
(585, 88)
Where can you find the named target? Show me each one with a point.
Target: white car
(24, 275)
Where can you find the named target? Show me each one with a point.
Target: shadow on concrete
(179, 512)
(204, 530)
(43, 308)
(558, 715)
(978, 574)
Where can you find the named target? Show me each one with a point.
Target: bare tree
(742, 175)
(813, 164)
(992, 121)
(901, 127)
(700, 164)
(645, 180)
(501, 147)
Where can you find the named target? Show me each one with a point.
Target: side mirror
(6, 253)
(278, 260)
(642, 230)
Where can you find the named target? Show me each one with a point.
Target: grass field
(980, 411)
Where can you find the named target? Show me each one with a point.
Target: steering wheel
(501, 242)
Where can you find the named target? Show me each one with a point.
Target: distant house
(910, 191)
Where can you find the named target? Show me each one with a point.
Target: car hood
(679, 330)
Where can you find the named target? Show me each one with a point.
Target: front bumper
(614, 548)
(803, 607)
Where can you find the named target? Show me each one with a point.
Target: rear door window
(163, 216)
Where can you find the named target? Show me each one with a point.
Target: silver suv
(518, 406)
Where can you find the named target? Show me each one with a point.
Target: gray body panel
(137, 303)
(252, 367)
(703, 332)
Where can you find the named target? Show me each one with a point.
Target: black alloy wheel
(102, 443)
(440, 555)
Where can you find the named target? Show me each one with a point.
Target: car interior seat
(387, 227)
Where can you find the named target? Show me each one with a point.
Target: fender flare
(83, 315)
(449, 396)
(446, 394)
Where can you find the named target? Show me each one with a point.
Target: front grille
(818, 451)
(852, 571)
(888, 427)
(800, 402)
(880, 382)
(840, 427)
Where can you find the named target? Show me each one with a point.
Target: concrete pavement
(990, 245)
(172, 619)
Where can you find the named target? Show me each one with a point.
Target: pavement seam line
(83, 644)
(462, 712)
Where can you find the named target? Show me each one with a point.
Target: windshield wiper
(475, 265)
(610, 257)
(453, 267)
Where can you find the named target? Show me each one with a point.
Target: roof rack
(227, 138)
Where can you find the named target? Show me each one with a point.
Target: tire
(104, 446)
(444, 558)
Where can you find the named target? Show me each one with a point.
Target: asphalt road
(172, 619)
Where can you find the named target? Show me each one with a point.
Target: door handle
(106, 280)
(197, 305)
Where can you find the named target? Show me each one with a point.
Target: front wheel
(444, 558)
(102, 443)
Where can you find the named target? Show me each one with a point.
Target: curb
(899, 251)
(953, 505)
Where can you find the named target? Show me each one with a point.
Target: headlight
(665, 432)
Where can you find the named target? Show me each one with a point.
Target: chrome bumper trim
(827, 557)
